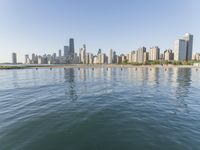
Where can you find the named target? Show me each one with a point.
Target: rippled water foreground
(100, 109)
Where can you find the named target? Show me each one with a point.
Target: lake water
(100, 109)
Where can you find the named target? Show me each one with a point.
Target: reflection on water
(100, 108)
(183, 79)
(15, 78)
(70, 84)
(183, 82)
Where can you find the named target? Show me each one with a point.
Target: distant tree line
(161, 62)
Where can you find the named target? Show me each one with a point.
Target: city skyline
(183, 51)
(121, 26)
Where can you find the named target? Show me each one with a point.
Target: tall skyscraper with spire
(71, 48)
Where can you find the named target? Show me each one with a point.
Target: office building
(34, 59)
(27, 59)
(60, 53)
(14, 58)
(168, 55)
(196, 57)
(111, 57)
(123, 58)
(40, 60)
(103, 59)
(90, 58)
(146, 56)
(114, 57)
(180, 48)
(71, 48)
(189, 49)
(154, 53)
(83, 55)
(140, 54)
(183, 48)
(66, 51)
(87, 58)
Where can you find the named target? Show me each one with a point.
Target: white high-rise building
(111, 58)
(154, 53)
(196, 57)
(103, 58)
(40, 60)
(140, 54)
(90, 58)
(180, 48)
(168, 55)
(83, 55)
(87, 58)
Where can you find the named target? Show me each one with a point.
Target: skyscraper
(140, 54)
(66, 51)
(189, 39)
(60, 53)
(83, 54)
(168, 55)
(27, 59)
(90, 58)
(71, 48)
(183, 48)
(180, 50)
(33, 58)
(114, 57)
(111, 57)
(99, 52)
(154, 53)
(99, 56)
(14, 58)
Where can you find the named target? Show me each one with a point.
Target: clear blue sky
(44, 26)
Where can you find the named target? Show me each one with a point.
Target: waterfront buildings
(182, 52)
(183, 48)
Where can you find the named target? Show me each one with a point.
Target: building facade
(14, 58)
(180, 48)
(154, 53)
(140, 54)
(168, 55)
(189, 49)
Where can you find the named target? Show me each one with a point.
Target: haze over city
(45, 26)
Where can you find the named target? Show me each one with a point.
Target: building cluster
(69, 56)
(183, 49)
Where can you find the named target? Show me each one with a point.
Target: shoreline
(7, 67)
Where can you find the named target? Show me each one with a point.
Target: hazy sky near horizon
(44, 26)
